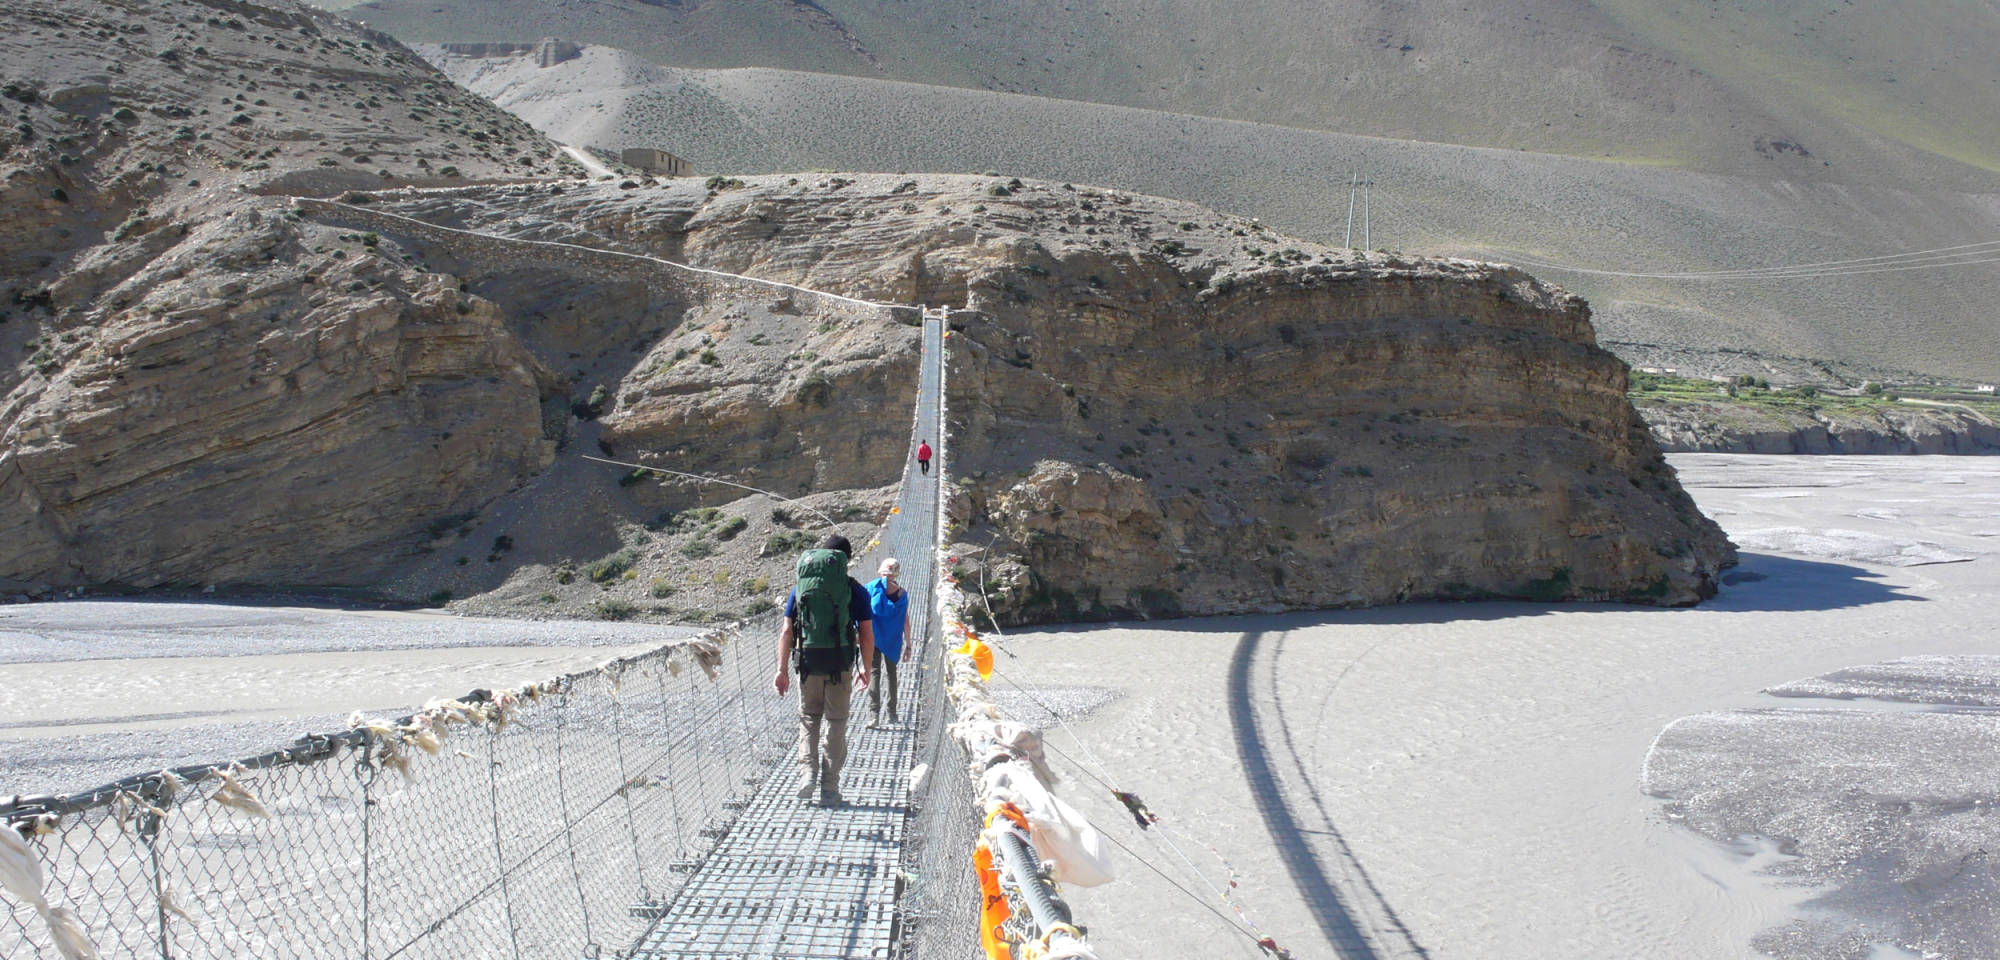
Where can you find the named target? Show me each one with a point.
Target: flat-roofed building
(656, 161)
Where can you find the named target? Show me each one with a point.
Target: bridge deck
(791, 878)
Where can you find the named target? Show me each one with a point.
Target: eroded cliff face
(1311, 435)
(1159, 410)
(1719, 427)
(1156, 409)
(237, 419)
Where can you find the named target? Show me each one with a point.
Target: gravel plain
(93, 690)
(1471, 780)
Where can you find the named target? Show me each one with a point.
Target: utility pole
(1348, 240)
(1366, 237)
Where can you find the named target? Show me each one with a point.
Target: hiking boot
(892, 714)
(875, 720)
(829, 797)
(806, 788)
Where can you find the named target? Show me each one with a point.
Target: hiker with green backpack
(828, 638)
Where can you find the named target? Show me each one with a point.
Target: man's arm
(867, 654)
(784, 681)
(905, 655)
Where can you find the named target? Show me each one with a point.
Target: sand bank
(1463, 781)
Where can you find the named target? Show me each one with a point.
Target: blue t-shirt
(889, 616)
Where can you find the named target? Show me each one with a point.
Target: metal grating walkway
(790, 879)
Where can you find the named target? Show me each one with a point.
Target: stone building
(656, 161)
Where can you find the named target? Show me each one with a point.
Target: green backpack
(824, 620)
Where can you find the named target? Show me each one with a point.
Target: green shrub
(759, 605)
(757, 586)
(439, 598)
(815, 390)
(612, 567)
(730, 528)
(662, 589)
(697, 548)
(612, 608)
(783, 544)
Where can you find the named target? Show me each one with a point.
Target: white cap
(890, 568)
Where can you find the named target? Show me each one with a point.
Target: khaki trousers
(820, 697)
(884, 675)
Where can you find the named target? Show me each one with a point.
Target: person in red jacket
(924, 456)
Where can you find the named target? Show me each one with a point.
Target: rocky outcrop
(1156, 409)
(1716, 427)
(1310, 435)
(1160, 410)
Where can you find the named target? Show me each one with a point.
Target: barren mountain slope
(190, 373)
(1713, 86)
(1849, 324)
(208, 383)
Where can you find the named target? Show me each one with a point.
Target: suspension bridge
(642, 809)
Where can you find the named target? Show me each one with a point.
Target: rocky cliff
(1158, 409)
(1719, 427)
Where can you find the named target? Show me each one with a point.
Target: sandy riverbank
(94, 690)
(1463, 781)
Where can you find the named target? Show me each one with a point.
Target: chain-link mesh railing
(1001, 786)
(940, 903)
(551, 820)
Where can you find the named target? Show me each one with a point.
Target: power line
(1959, 255)
(1796, 272)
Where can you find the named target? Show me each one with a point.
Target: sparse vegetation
(787, 543)
(612, 567)
(613, 608)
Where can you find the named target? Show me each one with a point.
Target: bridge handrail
(1004, 753)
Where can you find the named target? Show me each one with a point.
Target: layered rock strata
(1159, 409)
(1737, 428)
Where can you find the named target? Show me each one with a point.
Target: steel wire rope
(708, 479)
(700, 763)
(1249, 926)
(365, 774)
(499, 855)
(562, 805)
(530, 857)
(667, 739)
(1925, 259)
(625, 789)
(1244, 923)
(1774, 273)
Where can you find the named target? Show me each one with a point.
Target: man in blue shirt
(827, 678)
(890, 604)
